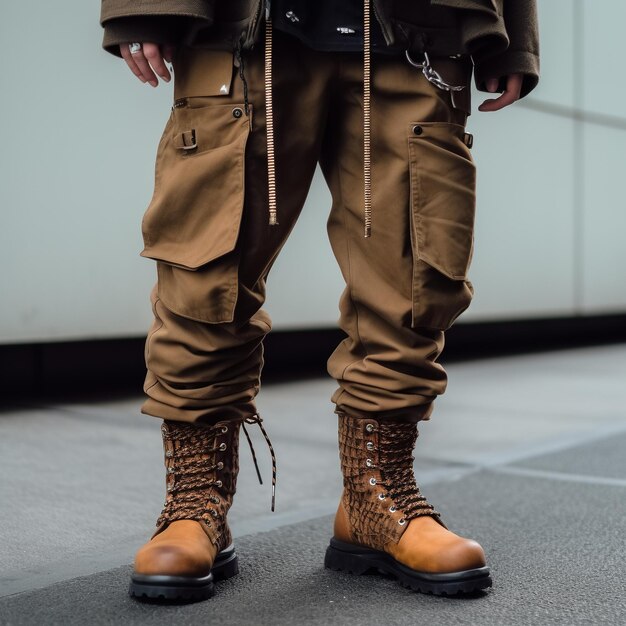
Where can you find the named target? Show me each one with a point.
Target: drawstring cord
(367, 120)
(256, 419)
(367, 124)
(269, 121)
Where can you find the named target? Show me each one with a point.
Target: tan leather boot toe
(182, 549)
(427, 546)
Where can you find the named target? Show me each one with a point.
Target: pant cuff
(207, 416)
(414, 414)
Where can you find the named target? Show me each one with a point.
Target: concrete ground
(526, 454)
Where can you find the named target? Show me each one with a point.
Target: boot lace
(192, 469)
(396, 443)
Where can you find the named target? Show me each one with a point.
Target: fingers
(508, 97)
(145, 62)
(144, 67)
(492, 85)
(154, 57)
(128, 57)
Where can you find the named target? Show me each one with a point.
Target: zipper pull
(268, 10)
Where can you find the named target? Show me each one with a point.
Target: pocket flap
(192, 78)
(196, 209)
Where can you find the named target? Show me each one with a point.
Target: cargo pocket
(192, 224)
(443, 198)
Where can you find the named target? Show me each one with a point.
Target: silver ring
(134, 48)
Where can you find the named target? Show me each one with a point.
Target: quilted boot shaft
(380, 493)
(201, 464)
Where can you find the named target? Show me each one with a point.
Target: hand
(510, 95)
(147, 61)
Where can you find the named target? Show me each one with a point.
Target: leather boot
(192, 545)
(383, 522)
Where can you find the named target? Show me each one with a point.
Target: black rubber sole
(185, 588)
(345, 557)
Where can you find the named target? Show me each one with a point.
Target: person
(378, 93)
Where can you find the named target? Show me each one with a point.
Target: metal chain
(431, 74)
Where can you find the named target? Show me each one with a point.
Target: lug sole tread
(164, 591)
(360, 565)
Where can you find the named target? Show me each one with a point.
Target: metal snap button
(237, 113)
(417, 130)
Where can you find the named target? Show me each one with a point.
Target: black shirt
(328, 25)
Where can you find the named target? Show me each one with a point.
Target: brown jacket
(501, 35)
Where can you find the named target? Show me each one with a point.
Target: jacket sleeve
(522, 55)
(151, 20)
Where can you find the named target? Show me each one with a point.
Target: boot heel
(340, 561)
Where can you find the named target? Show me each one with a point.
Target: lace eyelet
(373, 482)
(223, 447)
(220, 466)
(213, 512)
(369, 428)
(382, 496)
(218, 483)
(224, 429)
(402, 522)
(369, 445)
(392, 509)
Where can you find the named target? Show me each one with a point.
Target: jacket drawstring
(269, 121)
(367, 120)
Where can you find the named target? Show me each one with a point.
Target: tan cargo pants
(207, 227)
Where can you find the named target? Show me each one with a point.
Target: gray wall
(78, 135)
